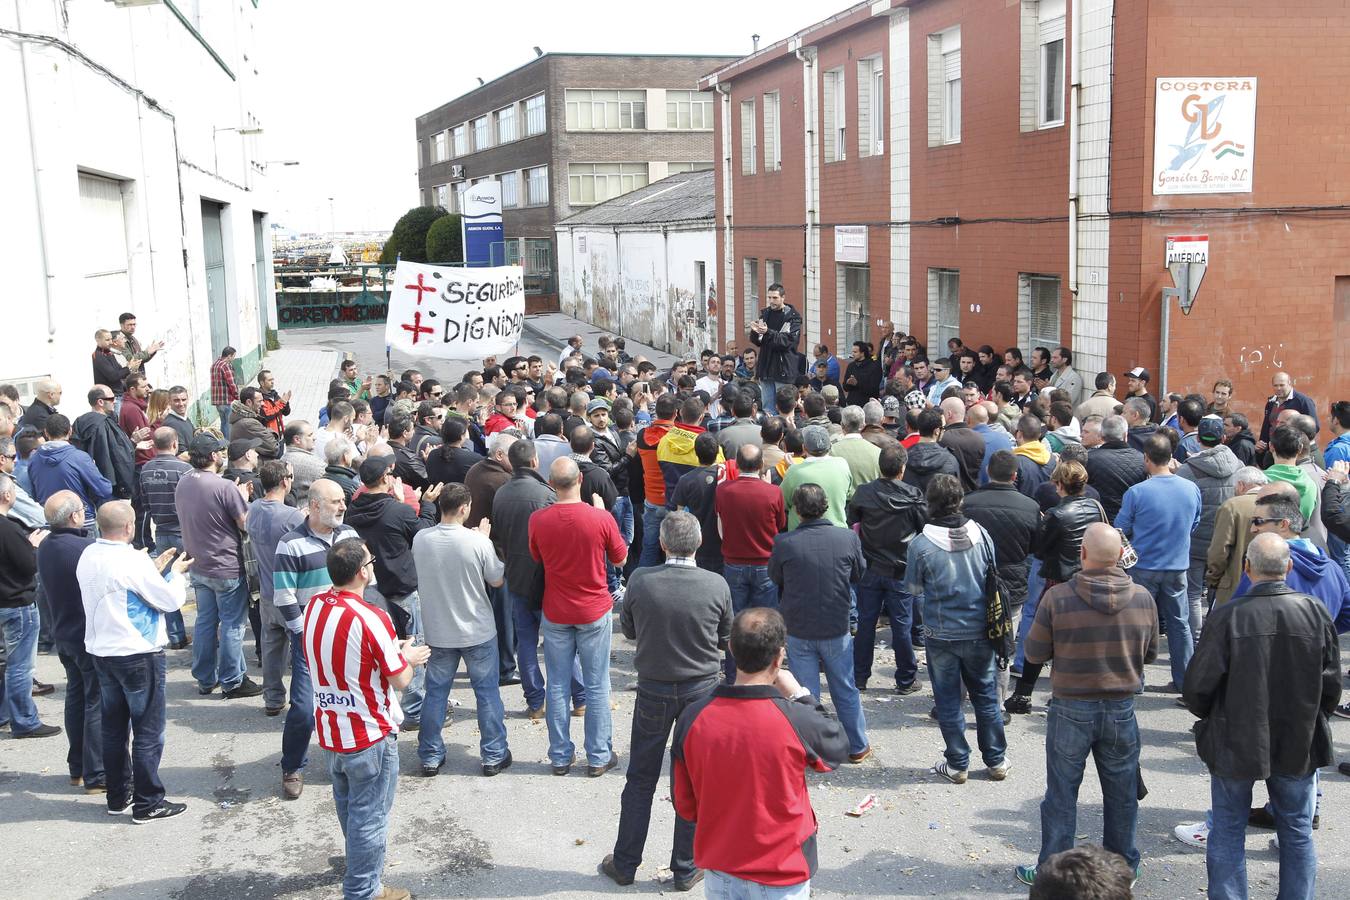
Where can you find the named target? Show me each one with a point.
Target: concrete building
(136, 183)
(561, 133)
(1013, 175)
(642, 264)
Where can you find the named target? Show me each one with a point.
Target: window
(460, 188)
(834, 118)
(944, 306)
(1038, 310)
(534, 116)
(673, 168)
(701, 291)
(871, 106)
(606, 110)
(944, 87)
(510, 189)
(854, 310)
(438, 147)
(598, 182)
(536, 186)
(748, 142)
(1050, 49)
(689, 110)
(538, 263)
(482, 134)
(103, 235)
(461, 140)
(750, 268)
(773, 157)
(506, 124)
(773, 271)
(443, 196)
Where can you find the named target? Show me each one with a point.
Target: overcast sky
(347, 78)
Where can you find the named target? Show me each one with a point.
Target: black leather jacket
(891, 514)
(1060, 536)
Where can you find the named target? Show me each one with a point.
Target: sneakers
(410, 725)
(1026, 874)
(429, 771)
(1018, 704)
(180, 645)
(246, 688)
(610, 871)
(165, 810)
(1000, 771)
(97, 787)
(1343, 710)
(911, 688)
(273, 710)
(1260, 817)
(597, 771)
(1195, 835)
(292, 783)
(490, 769)
(119, 809)
(683, 886)
(955, 776)
(389, 892)
(534, 714)
(39, 732)
(856, 758)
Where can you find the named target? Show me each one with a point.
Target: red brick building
(939, 163)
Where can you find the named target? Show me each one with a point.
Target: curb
(543, 336)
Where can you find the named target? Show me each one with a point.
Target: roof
(683, 197)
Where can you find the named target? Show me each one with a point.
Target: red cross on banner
(417, 328)
(421, 289)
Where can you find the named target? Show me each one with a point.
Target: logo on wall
(1204, 135)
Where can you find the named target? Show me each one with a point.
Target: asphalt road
(526, 833)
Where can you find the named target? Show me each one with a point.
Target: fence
(311, 296)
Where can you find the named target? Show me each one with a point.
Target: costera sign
(481, 222)
(1204, 135)
(455, 313)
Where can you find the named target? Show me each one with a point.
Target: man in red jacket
(739, 769)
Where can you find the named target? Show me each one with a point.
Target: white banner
(1204, 135)
(454, 313)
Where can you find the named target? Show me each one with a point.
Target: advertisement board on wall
(481, 221)
(1204, 135)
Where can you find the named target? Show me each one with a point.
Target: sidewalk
(554, 329)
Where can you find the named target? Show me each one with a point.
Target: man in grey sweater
(680, 616)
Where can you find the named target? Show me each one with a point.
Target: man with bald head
(572, 540)
(979, 418)
(1284, 397)
(1103, 629)
(965, 443)
(47, 393)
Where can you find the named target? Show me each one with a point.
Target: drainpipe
(37, 179)
(1074, 96)
(810, 233)
(728, 275)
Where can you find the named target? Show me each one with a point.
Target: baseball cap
(915, 400)
(240, 446)
(205, 443)
(890, 406)
(815, 439)
(374, 468)
(830, 392)
(597, 404)
(1210, 430)
(1138, 372)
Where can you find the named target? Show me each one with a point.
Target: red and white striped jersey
(352, 653)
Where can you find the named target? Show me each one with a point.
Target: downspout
(618, 284)
(37, 180)
(671, 317)
(728, 275)
(809, 231)
(1074, 96)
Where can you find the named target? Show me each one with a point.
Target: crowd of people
(751, 521)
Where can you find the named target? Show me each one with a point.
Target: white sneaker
(1194, 835)
(999, 773)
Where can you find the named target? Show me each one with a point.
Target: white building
(134, 182)
(642, 265)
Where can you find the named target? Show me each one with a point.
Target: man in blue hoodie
(59, 466)
(1339, 451)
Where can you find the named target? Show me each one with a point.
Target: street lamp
(244, 130)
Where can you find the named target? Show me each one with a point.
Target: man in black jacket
(966, 444)
(97, 433)
(1264, 678)
(776, 333)
(928, 457)
(108, 368)
(889, 513)
(595, 481)
(512, 505)
(1115, 466)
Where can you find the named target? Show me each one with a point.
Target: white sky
(347, 78)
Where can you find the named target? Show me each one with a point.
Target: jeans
(876, 593)
(504, 619)
(721, 886)
(363, 791)
(20, 627)
(132, 692)
(807, 659)
(299, 725)
(750, 586)
(652, 517)
(173, 621)
(1195, 597)
(658, 706)
(224, 412)
(527, 654)
(1291, 802)
(1169, 593)
(1108, 730)
(950, 664)
(84, 714)
(767, 401)
(276, 654)
(563, 644)
(218, 644)
(481, 661)
(623, 517)
(411, 701)
(1035, 587)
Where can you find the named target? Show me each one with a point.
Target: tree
(445, 243)
(409, 238)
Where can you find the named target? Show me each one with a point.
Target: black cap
(374, 468)
(204, 443)
(240, 446)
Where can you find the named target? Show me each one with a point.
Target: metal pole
(1167, 295)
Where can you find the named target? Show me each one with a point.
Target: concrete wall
(639, 283)
(85, 121)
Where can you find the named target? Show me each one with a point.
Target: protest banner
(455, 313)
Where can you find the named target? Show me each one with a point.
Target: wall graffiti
(1261, 356)
(307, 314)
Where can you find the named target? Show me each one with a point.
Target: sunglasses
(1258, 521)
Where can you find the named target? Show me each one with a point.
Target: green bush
(445, 243)
(409, 238)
